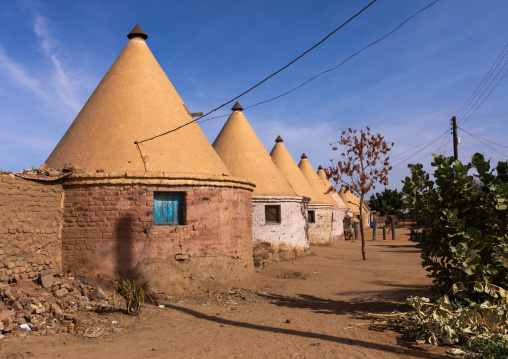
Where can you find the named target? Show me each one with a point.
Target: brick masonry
(287, 239)
(30, 219)
(109, 230)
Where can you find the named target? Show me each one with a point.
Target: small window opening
(312, 217)
(272, 214)
(168, 208)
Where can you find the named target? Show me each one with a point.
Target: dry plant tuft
(135, 294)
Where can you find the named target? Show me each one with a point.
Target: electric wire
(486, 144)
(495, 143)
(414, 154)
(343, 62)
(471, 143)
(481, 103)
(426, 155)
(266, 78)
(482, 82)
(200, 120)
(412, 148)
(444, 142)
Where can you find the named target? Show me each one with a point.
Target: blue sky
(54, 53)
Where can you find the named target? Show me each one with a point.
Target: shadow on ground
(414, 352)
(384, 301)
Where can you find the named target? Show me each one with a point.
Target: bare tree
(365, 163)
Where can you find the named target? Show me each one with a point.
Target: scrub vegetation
(463, 213)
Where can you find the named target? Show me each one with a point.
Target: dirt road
(297, 309)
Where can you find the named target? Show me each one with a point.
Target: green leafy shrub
(495, 347)
(464, 218)
(135, 294)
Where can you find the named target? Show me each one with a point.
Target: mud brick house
(319, 215)
(341, 210)
(335, 213)
(353, 204)
(162, 208)
(279, 214)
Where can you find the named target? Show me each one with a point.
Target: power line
(266, 78)
(481, 84)
(486, 144)
(415, 147)
(446, 140)
(481, 138)
(481, 103)
(414, 154)
(495, 143)
(427, 162)
(470, 142)
(343, 62)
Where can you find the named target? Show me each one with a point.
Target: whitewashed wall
(320, 232)
(291, 232)
(338, 215)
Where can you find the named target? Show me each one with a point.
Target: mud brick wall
(320, 232)
(30, 219)
(109, 230)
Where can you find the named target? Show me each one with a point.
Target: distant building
(353, 203)
(340, 211)
(319, 212)
(321, 231)
(279, 214)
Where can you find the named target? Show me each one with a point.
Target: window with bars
(272, 214)
(168, 208)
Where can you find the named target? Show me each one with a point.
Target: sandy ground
(297, 309)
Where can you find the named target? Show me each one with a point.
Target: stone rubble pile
(54, 306)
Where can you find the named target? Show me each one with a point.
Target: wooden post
(356, 231)
(374, 230)
(455, 140)
(384, 233)
(393, 228)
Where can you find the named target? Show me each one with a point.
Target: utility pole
(455, 141)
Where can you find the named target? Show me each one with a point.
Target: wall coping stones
(157, 178)
(277, 199)
(319, 206)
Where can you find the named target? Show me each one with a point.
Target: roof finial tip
(279, 139)
(137, 31)
(237, 107)
(304, 156)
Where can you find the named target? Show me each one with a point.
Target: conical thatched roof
(318, 185)
(351, 201)
(280, 155)
(245, 156)
(135, 101)
(326, 182)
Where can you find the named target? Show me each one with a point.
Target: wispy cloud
(18, 74)
(40, 90)
(63, 82)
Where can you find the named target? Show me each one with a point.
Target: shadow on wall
(305, 213)
(124, 245)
